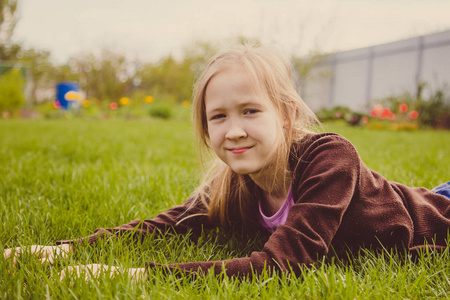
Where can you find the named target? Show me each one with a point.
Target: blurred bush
(12, 96)
(161, 110)
(340, 113)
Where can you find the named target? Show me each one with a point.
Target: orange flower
(149, 99)
(413, 114)
(186, 104)
(403, 107)
(113, 106)
(124, 101)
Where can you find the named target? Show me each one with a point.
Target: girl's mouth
(239, 150)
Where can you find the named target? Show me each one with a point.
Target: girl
(310, 191)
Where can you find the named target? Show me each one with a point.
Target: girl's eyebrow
(213, 111)
(251, 103)
(240, 105)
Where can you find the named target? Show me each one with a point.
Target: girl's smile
(240, 150)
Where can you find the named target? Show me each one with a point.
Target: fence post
(369, 76)
(419, 64)
(332, 80)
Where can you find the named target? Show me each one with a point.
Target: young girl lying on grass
(311, 191)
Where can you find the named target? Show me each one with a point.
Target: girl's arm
(179, 219)
(47, 254)
(96, 270)
(137, 228)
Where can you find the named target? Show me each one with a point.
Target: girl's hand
(95, 270)
(47, 254)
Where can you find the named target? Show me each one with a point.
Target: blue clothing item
(443, 189)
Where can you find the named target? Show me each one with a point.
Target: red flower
(376, 111)
(56, 105)
(364, 120)
(386, 113)
(403, 107)
(413, 114)
(113, 106)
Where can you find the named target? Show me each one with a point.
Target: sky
(148, 30)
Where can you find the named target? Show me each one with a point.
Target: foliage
(8, 20)
(161, 110)
(63, 179)
(385, 118)
(433, 106)
(109, 76)
(334, 113)
(305, 65)
(104, 77)
(340, 112)
(41, 72)
(140, 106)
(12, 87)
(172, 78)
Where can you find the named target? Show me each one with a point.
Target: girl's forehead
(234, 81)
(238, 74)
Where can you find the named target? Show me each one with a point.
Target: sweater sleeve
(179, 219)
(324, 182)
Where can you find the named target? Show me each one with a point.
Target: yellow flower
(186, 104)
(124, 101)
(86, 103)
(149, 99)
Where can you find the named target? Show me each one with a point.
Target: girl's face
(242, 127)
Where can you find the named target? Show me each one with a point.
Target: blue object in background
(64, 92)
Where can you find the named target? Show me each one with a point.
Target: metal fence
(358, 78)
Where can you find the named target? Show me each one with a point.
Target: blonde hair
(231, 198)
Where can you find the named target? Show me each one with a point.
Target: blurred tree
(197, 54)
(41, 71)
(65, 73)
(8, 20)
(104, 77)
(246, 40)
(173, 79)
(305, 65)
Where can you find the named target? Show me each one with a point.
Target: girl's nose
(235, 132)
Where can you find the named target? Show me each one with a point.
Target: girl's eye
(250, 111)
(217, 117)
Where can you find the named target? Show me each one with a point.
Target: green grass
(63, 178)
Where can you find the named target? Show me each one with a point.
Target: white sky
(150, 29)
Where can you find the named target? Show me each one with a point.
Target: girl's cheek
(218, 131)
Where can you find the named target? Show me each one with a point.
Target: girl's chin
(249, 172)
(241, 171)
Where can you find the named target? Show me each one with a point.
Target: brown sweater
(339, 204)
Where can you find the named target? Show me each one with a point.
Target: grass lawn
(62, 179)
